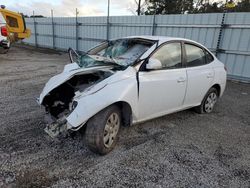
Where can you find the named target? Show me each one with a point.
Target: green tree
(243, 6)
(169, 6)
(209, 8)
(193, 6)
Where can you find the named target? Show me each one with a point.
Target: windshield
(121, 52)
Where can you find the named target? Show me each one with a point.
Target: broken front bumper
(55, 127)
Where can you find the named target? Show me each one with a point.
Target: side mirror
(153, 64)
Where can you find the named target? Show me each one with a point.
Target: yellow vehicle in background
(12, 28)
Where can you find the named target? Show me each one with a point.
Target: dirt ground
(184, 149)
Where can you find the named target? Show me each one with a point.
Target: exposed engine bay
(59, 102)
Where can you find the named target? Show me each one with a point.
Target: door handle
(181, 79)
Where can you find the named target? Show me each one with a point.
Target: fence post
(35, 29)
(222, 26)
(108, 24)
(53, 29)
(153, 25)
(77, 34)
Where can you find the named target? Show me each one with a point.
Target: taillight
(4, 31)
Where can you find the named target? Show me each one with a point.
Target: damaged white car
(130, 80)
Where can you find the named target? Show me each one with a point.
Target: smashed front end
(86, 75)
(59, 102)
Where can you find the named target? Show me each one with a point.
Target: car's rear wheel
(102, 130)
(208, 102)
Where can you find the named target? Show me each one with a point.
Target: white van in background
(4, 40)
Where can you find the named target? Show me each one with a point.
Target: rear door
(200, 74)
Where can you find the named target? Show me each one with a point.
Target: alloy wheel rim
(111, 129)
(210, 102)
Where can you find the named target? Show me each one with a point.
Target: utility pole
(139, 8)
(77, 34)
(53, 29)
(108, 21)
(108, 7)
(34, 20)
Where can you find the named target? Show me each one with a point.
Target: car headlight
(73, 105)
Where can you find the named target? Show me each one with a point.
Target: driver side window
(169, 55)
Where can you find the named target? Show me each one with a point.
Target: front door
(162, 91)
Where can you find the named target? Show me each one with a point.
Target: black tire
(202, 109)
(4, 50)
(96, 130)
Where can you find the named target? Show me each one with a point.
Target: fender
(89, 105)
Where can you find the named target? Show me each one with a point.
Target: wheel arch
(90, 105)
(218, 88)
(126, 112)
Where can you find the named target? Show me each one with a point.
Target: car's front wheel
(102, 130)
(208, 102)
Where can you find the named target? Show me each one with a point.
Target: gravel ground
(184, 149)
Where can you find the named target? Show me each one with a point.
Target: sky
(67, 7)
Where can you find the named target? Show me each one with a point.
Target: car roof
(163, 39)
(150, 37)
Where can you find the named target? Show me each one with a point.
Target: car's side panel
(200, 79)
(161, 92)
(220, 76)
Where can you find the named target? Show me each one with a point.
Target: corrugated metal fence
(226, 35)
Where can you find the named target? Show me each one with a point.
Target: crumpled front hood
(69, 71)
(118, 76)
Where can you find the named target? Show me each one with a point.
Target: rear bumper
(223, 87)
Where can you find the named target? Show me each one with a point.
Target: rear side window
(12, 22)
(195, 55)
(209, 57)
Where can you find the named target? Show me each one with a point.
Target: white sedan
(127, 81)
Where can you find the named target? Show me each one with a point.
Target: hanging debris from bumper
(54, 128)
